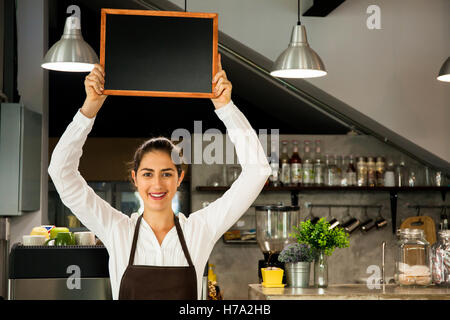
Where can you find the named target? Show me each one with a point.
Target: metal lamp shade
(71, 53)
(298, 60)
(444, 73)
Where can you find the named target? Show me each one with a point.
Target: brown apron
(158, 283)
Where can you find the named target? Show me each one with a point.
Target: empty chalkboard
(159, 53)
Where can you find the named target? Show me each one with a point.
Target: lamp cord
(298, 8)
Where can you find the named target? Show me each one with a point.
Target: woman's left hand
(222, 88)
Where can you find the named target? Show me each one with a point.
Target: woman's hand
(222, 88)
(94, 86)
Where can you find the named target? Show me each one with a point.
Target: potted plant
(297, 259)
(323, 240)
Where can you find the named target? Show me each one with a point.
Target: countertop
(348, 291)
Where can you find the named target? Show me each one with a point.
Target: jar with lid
(440, 256)
(413, 259)
(380, 169)
(371, 172)
(361, 171)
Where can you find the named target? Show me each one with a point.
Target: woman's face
(157, 180)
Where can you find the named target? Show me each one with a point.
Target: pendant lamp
(444, 73)
(298, 60)
(71, 53)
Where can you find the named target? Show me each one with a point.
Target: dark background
(123, 116)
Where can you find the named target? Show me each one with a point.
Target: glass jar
(413, 261)
(361, 172)
(441, 259)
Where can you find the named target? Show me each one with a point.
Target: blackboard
(159, 53)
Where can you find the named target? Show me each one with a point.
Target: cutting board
(421, 222)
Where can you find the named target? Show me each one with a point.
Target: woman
(157, 255)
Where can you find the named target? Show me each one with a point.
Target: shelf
(295, 190)
(326, 188)
(239, 241)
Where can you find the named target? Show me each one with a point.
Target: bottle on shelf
(371, 172)
(361, 172)
(285, 167)
(319, 165)
(339, 170)
(380, 170)
(350, 172)
(307, 166)
(274, 179)
(330, 174)
(443, 224)
(296, 165)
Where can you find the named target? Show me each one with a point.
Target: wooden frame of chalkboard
(175, 79)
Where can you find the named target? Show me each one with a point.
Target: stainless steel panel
(20, 159)
(30, 161)
(9, 158)
(57, 289)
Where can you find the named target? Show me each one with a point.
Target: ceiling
(293, 106)
(267, 106)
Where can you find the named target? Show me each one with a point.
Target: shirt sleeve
(94, 212)
(221, 214)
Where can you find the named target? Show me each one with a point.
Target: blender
(274, 224)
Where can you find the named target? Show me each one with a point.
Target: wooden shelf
(327, 188)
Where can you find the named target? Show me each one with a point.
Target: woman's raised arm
(94, 212)
(220, 215)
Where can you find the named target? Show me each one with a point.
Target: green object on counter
(63, 239)
(54, 232)
(320, 237)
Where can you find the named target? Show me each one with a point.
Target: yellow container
(39, 231)
(272, 277)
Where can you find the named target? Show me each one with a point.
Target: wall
(32, 83)
(236, 265)
(388, 74)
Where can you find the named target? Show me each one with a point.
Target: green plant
(320, 237)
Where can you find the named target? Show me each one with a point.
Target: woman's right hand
(94, 86)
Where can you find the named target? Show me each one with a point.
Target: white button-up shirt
(201, 229)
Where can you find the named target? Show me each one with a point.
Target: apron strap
(182, 241)
(133, 246)
(180, 237)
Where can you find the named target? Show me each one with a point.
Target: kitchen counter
(348, 291)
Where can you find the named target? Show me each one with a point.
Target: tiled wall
(236, 265)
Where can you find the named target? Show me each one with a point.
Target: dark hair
(158, 144)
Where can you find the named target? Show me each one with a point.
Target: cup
(380, 223)
(86, 238)
(367, 225)
(351, 225)
(33, 240)
(63, 239)
(54, 232)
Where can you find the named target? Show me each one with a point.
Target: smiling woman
(157, 170)
(156, 254)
